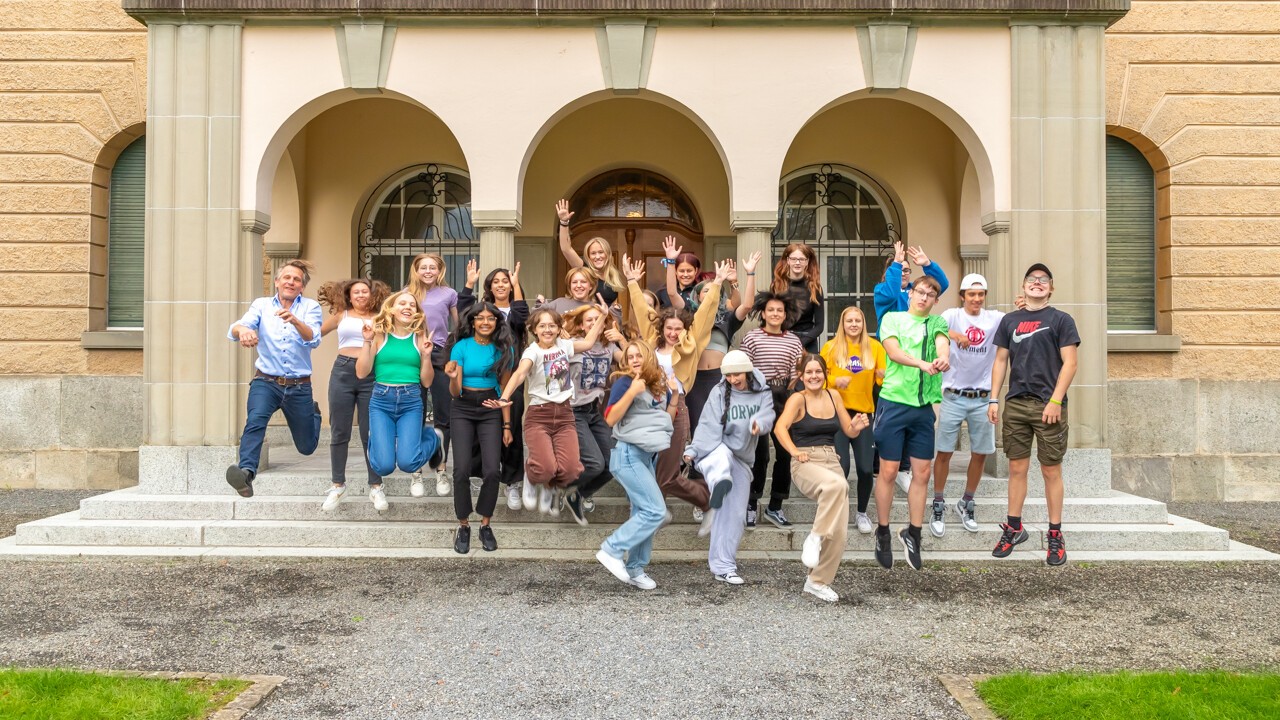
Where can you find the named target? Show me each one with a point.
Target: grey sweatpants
(730, 520)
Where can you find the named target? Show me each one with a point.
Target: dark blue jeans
(300, 411)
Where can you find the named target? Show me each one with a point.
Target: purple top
(435, 306)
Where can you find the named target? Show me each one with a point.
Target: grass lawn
(72, 695)
(1133, 696)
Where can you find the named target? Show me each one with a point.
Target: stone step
(1178, 534)
(129, 504)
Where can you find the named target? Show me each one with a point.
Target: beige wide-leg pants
(822, 480)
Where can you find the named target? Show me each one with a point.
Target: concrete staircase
(284, 520)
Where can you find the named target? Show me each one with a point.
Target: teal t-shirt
(477, 363)
(915, 335)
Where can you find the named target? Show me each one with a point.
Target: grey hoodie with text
(745, 406)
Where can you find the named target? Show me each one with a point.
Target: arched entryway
(424, 208)
(635, 210)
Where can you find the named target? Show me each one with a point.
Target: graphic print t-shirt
(589, 372)
(971, 366)
(549, 377)
(1034, 340)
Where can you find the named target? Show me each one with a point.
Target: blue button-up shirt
(281, 350)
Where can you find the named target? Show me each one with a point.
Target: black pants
(440, 397)
(703, 383)
(348, 395)
(595, 442)
(780, 488)
(472, 423)
(513, 454)
(864, 452)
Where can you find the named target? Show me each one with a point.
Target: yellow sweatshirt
(684, 356)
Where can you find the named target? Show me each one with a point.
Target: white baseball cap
(973, 281)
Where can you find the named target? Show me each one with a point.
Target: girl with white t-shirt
(550, 433)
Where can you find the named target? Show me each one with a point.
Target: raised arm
(671, 252)
(588, 341)
(571, 256)
(705, 318)
(634, 271)
(517, 292)
(749, 290)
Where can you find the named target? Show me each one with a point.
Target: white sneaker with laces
(937, 518)
(820, 591)
(333, 497)
(864, 524)
(443, 486)
(707, 519)
(965, 510)
(529, 495)
(697, 515)
(513, 497)
(809, 554)
(904, 481)
(614, 565)
(732, 577)
(416, 488)
(644, 582)
(544, 499)
(378, 498)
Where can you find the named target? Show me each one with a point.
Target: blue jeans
(300, 411)
(397, 437)
(634, 469)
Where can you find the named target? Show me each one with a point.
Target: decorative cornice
(996, 222)
(255, 222)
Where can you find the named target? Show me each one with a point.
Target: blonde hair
(384, 322)
(611, 275)
(651, 374)
(573, 322)
(415, 283)
(585, 272)
(841, 343)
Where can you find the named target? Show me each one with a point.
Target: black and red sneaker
(1057, 549)
(1009, 539)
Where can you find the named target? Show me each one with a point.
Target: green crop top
(398, 361)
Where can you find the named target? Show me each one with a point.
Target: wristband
(1056, 402)
(994, 402)
(506, 426)
(564, 224)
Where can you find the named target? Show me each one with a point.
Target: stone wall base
(1086, 472)
(185, 470)
(93, 469)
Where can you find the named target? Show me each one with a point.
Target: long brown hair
(336, 294)
(385, 322)
(812, 273)
(651, 374)
(574, 326)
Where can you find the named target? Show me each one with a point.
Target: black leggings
(440, 397)
(780, 488)
(864, 451)
(595, 442)
(474, 423)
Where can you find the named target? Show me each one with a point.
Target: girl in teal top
(397, 352)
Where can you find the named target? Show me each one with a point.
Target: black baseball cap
(1038, 266)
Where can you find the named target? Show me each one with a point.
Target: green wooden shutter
(125, 237)
(1131, 238)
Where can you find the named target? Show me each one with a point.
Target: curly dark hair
(503, 341)
(788, 302)
(336, 294)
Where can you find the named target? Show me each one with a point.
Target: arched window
(632, 194)
(125, 233)
(1131, 239)
(426, 208)
(851, 224)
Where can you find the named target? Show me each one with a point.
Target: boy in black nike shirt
(1038, 347)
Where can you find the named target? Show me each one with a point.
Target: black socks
(914, 532)
(1015, 522)
(1055, 526)
(882, 530)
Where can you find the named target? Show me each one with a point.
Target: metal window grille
(429, 210)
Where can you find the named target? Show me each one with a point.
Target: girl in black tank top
(811, 431)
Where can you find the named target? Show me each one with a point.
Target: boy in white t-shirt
(966, 390)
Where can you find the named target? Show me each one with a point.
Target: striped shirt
(775, 356)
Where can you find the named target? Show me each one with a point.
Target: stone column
(200, 269)
(1001, 294)
(755, 230)
(1058, 216)
(497, 230)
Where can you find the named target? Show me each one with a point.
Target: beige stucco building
(981, 131)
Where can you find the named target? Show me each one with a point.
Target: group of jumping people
(647, 389)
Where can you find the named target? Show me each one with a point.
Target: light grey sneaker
(820, 591)
(937, 521)
(333, 497)
(615, 565)
(697, 515)
(811, 552)
(965, 510)
(864, 524)
(904, 481)
(513, 497)
(378, 498)
(416, 488)
(644, 582)
(705, 522)
(443, 486)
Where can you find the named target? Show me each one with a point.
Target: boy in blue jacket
(892, 293)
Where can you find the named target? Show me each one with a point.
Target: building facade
(992, 134)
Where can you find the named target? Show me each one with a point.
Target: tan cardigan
(684, 356)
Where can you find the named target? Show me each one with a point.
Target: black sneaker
(777, 518)
(573, 502)
(721, 489)
(751, 516)
(1009, 539)
(911, 547)
(462, 541)
(241, 480)
(487, 540)
(1057, 549)
(884, 550)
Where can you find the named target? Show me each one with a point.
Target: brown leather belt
(283, 381)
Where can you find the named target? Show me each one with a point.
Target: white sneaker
(557, 499)
(333, 497)
(644, 582)
(443, 486)
(697, 515)
(708, 518)
(475, 485)
(513, 497)
(864, 524)
(965, 511)
(731, 577)
(588, 504)
(820, 591)
(416, 487)
(544, 499)
(667, 517)
(614, 565)
(529, 495)
(809, 554)
(904, 481)
(378, 497)
(937, 518)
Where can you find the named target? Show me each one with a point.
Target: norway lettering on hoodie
(733, 429)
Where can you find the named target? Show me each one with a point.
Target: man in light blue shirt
(284, 328)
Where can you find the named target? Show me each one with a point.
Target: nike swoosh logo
(1019, 338)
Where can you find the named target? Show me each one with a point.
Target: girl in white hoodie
(738, 411)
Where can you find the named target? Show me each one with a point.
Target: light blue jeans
(397, 436)
(634, 470)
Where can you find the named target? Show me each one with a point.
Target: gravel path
(1252, 523)
(382, 639)
(19, 506)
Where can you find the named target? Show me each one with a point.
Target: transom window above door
(425, 208)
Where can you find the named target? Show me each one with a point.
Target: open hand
(722, 270)
(899, 252)
(499, 403)
(749, 265)
(632, 270)
(515, 275)
(473, 273)
(669, 247)
(917, 256)
(1052, 414)
(562, 211)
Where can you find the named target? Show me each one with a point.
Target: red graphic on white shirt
(975, 335)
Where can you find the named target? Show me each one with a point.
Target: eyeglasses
(927, 294)
(1037, 280)
(800, 259)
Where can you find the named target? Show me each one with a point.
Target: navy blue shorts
(903, 431)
